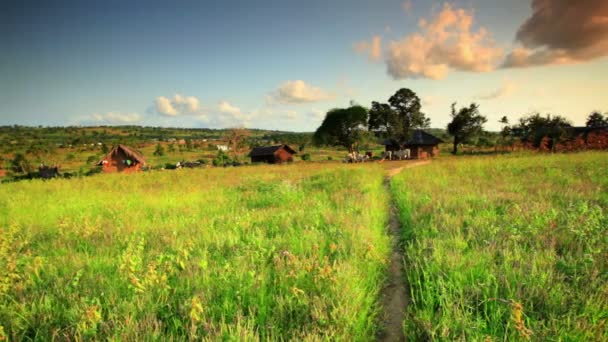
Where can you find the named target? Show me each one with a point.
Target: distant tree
(236, 138)
(399, 117)
(505, 132)
(189, 144)
(466, 123)
(20, 164)
(343, 127)
(159, 151)
(534, 127)
(596, 119)
(104, 149)
(171, 147)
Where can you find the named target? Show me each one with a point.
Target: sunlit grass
(507, 248)
(285, 252)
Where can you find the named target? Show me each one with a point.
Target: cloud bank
(294, 92)
(562, 32)
(446, 41)
(115, 118)
(178, 105)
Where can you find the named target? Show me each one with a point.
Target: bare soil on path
(395, 295)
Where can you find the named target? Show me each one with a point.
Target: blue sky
(282, 65)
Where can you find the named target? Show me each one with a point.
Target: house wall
(282, 156)
(424, 152)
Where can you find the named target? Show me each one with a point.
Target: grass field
(242, 254)
(507, 248)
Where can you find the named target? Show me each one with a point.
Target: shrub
(306, 156)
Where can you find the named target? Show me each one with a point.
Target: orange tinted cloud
(446, 41)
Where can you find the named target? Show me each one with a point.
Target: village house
(122, 159)
(272, 154)
(422, 145)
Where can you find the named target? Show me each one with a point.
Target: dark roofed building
(272, 154)
(422, 145)
(122, 159)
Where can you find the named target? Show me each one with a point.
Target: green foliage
(596, 119)
(159, 151)
(466, 124)
(265, 253)
(506, 248)
(222, 159)
(533, 128)
(306, 156)
(20, 164)
(399, 117)
(343, 127)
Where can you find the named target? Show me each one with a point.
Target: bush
(330, 158)
(221, 159)
(170, 166)
(306, 156)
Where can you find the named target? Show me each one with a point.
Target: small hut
(422, 145)
(272, 154)
(122, 159)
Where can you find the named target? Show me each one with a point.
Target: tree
(534, 127)
(505, 132)
(159, 151)
(399, 117)
(342, 126)
(236, 137)
(466, 123)
(19, 164)
(596, 119)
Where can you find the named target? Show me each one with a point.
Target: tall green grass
(258, 253)
(507, 248)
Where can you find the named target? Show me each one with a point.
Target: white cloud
(227, 108)
(178, 105)
(505, 90)
(373, 48)
(445, 42)
(298, 92)
(115, 118)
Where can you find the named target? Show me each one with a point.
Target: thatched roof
(127, 151)
(419, 138)
(269, 150)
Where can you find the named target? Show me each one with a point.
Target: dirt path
(395, 295)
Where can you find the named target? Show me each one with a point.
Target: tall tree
(342, 126)
(466, 123)
(399, 117)
(596, 119)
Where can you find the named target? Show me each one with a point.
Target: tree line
(402, 114)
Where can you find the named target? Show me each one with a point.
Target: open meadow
(268, 252)
(506, 248)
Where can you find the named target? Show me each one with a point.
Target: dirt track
(395, 295)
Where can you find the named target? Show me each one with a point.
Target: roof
(128, 151)
(419, 138)
(269, 150)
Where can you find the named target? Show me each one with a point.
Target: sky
(284, 64)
